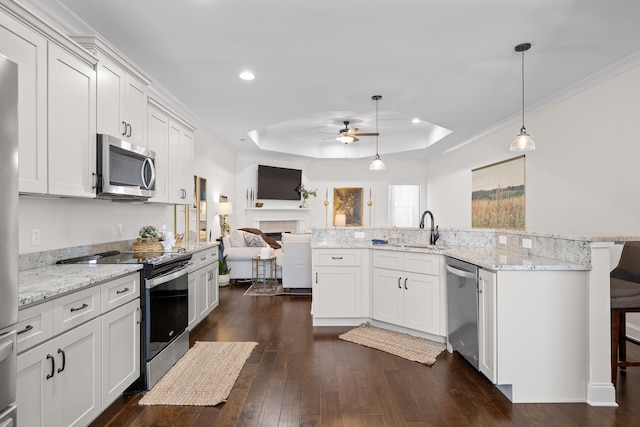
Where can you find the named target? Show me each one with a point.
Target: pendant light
(376, 164)
(523, 141)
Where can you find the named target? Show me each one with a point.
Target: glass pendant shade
(523, 142)
(345, 139)
(376, 164)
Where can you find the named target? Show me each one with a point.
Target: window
(404, 205)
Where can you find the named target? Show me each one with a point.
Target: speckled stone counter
(488, 258)
(38, 284)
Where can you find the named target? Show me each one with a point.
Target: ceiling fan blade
(365, 134)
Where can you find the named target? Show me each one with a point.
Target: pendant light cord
(376, 127)
(523, 90)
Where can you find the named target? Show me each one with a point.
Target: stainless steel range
(164, 306)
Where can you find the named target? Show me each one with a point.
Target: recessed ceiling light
(247, 75)
(416, 121)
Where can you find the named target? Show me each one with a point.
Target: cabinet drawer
(115, 293)
(75, 309)
(35, 325)
(388, 259)
(422, 263)
(337, 257)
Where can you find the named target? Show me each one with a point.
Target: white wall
(584, 175)
(214, 161)
(325, 175)
(66, 222)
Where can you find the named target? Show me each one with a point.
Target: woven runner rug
(204, 376)
(404, 345)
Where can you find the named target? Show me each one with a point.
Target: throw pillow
(269, 240)
(236, 238)
(253, 240)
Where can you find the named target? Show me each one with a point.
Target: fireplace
(276, 228)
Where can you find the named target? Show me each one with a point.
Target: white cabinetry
(203, 286)
(524, 317)
(172, 140)
(71, 124)
(74, 360)
(487, 324)
(122, 93)
(407, 290)
(29, 50)
(59, 381)
(339, 295)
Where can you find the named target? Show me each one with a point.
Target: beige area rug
(204, 376)
(404, 345)
(274, 289)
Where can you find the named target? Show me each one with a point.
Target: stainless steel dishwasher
(462, 305)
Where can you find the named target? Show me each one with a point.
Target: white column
(600, 390)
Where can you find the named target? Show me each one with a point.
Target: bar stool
(625, 298)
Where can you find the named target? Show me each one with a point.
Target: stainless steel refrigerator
(8, 238)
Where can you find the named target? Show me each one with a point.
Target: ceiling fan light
(377, 164)
(346, 139)
(523, 142)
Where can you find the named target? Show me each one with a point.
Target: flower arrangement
(348, 201)
(306, 193)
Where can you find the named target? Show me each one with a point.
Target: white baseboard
(603, 394)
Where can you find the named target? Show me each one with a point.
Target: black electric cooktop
(117, 257)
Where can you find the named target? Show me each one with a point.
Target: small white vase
(305, 203)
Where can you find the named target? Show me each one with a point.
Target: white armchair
(295, 260)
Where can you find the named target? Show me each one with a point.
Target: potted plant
(305, 194)
(223, 272)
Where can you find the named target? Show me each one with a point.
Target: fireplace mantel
(255, 216)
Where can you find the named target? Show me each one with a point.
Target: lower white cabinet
(59, 382)
(71, 370)
(338, 291)
(203, 286)
(487, 324)
(121, 349)
(407, 290)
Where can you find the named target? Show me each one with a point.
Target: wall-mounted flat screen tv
(278, 183)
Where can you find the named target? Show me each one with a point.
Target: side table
(264, 271)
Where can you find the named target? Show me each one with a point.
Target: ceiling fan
(348, 135)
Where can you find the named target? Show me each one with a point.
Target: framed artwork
(347, 207)
(498, 195)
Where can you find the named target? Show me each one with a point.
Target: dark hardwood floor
(304, 376)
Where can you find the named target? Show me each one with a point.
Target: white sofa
(239, 254)
(295, 260)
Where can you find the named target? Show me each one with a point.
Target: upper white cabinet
(28, 49)
(122, 93)
(171, 137)
(71, 124)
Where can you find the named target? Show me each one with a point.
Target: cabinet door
(213, 287)
(186, 163)
(29, 51)
(157, 141)
(487, 324)
(337, 292)
(387, 296)
(71, 125)
(34, 389)
(421, 302)
(176, 191)
(202, 291)
(121, 348)
(111, 85)
(135, 100)
(77, 393)
(193, 298)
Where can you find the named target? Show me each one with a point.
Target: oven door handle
(155, 281)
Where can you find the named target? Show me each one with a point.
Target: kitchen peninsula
(540, 301)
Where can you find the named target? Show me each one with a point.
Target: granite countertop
(488, 258)
(39, 284)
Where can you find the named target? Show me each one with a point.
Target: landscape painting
(498, 197)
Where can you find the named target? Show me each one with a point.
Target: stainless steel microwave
(125, 170)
